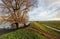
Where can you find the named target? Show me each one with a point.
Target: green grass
(52, 24)
(29, 34)
(22, 34)
(38, 25)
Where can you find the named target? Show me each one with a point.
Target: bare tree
(16, 11)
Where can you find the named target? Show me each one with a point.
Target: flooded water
(5, 25)
(8, 25)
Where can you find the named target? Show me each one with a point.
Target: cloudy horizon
(47, 10)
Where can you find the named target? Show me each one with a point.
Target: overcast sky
(47, 10)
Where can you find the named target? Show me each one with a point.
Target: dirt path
(48, 35)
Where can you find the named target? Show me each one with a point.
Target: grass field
(55, 24)
(38, 25)
(22, 34)
(29, 34)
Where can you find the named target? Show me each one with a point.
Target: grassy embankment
(22, 34)
(29, 34)
(38, 25)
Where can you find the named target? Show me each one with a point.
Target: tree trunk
(25, 25)
(17, 26)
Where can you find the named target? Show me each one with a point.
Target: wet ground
(4, 31)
